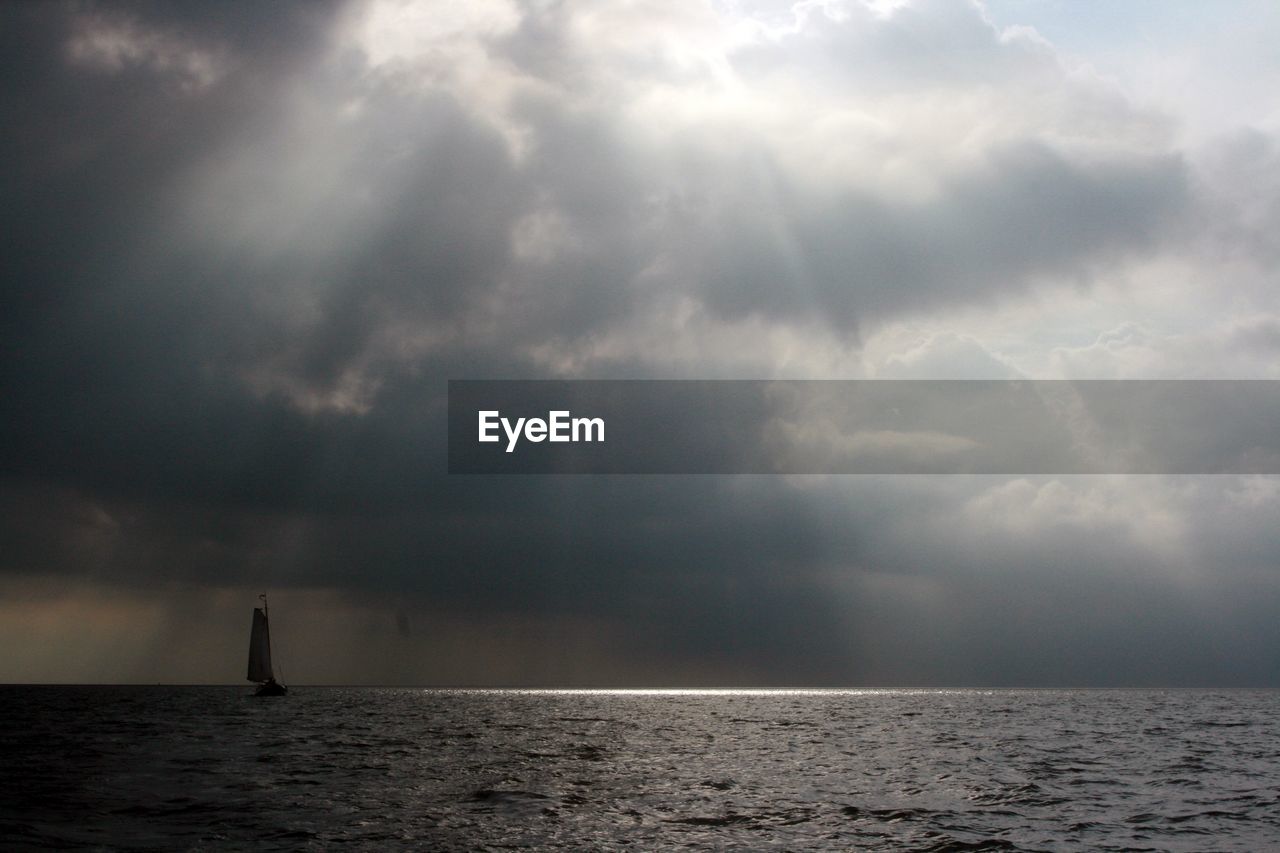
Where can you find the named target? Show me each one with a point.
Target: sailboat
(260, 654)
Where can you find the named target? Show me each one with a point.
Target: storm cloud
(246, 247)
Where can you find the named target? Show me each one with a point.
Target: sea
(211, 768)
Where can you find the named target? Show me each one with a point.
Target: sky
(246, 246)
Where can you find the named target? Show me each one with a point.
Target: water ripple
(210, 768)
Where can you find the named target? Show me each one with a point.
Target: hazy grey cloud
(246, 246)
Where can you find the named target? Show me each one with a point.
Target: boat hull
(271, 688)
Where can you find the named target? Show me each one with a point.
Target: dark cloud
(242, 258)
(1026, 213)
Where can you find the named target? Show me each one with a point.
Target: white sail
(260, 648)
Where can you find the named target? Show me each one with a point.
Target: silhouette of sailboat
(260, 654)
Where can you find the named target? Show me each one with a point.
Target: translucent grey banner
(864, 427)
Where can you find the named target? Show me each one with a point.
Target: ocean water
(169, 768)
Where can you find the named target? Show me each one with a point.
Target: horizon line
(710, 690)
